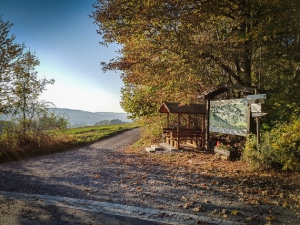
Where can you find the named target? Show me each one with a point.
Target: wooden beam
(203, 132)
(178, 129)
(168, 119)
(207, 108)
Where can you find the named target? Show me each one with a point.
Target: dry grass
(14, 147)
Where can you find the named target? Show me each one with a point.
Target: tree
(20, 89)
(26, 89)
(186, 46)
(10, 54)
(19, 84)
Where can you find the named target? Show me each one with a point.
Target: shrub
(32, 134)
(279, 148)
(151, 128)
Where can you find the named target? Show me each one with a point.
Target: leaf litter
(227, 189)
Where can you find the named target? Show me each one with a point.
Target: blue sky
(64, 39)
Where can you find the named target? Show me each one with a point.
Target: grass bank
(56, 141)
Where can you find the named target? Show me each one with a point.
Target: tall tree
(26, 89)
(10, 54)
(190, 45)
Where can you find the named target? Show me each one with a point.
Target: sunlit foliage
(183, 47)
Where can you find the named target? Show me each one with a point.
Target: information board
(229, 116)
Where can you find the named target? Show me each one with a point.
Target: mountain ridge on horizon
(84, 110)
(78, 118)
(86, 118)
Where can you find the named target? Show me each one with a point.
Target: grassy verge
(86, 135)
(57, 141)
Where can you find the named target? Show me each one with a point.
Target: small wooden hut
(189, 125)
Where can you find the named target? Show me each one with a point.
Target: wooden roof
(226, 87)
(175, 108)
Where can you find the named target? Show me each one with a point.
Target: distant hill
(78, 118)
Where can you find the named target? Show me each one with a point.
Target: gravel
(103, 171)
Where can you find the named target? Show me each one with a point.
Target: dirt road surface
(104, 172)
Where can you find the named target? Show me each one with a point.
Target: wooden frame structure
(197, 133)
(192, 131)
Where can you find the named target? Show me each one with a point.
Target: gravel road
(69, 174)
(103, 171)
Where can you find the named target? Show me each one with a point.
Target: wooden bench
(173, 137)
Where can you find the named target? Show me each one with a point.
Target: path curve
(103, 172)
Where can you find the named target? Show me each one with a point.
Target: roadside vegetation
(33, 129)
(15, 145)
(172, 51)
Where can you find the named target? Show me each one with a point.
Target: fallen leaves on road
(234, 212)
(232, 180)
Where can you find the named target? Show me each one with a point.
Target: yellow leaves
(271, 218)
(198, 208)
(281, 195)
(187, 205)
(234, 212)
(224, 212)
(184, 199)
(285, 205)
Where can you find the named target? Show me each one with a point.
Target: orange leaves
(139, 189)
(231, 181)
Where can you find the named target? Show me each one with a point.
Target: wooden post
(178, 129)
(248, 119)
(257, 120)
(168, 120)
(203, 132)
(207, 124)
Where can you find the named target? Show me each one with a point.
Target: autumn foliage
(174, 50)
(279, 149)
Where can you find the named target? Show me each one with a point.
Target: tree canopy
(20, 88)
(10, 53)
(173, 49)
(19, 83)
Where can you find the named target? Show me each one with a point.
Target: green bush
(151, 128)
(279, 148)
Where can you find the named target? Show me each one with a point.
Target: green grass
(85, 135)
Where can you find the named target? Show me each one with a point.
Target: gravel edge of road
(114, 209)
